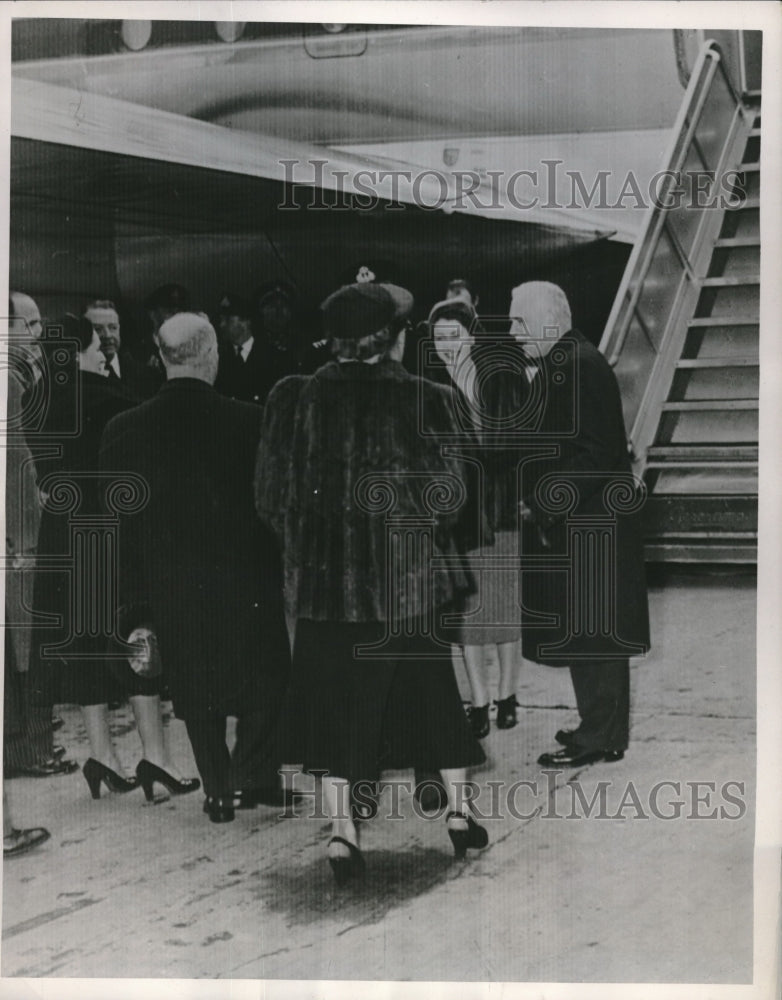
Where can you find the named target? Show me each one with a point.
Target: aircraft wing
(65, 116)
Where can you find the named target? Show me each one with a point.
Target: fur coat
(372, 511)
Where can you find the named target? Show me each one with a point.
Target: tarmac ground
(630, 888)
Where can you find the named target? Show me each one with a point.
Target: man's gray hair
(542, 299)
(185, 340)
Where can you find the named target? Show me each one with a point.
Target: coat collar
(571, 337)
(357, 371)
(186, 385)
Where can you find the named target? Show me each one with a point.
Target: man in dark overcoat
(198, 566)
(583, 579)
(244, 371)
(137, 380)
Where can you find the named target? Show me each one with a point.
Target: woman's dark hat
(356, 311)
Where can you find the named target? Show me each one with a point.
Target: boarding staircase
(683, 333)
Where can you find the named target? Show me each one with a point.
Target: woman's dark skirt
(353, 716)
(85, 674)
(86, 677)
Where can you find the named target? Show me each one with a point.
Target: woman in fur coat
(371, 512)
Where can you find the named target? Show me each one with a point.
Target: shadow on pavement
(307, 893)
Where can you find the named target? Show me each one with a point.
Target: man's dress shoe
(577, 757)
(565, 737)
(46, 769)
(22, 841)
(219, 810)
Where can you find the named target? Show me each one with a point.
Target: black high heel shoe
(148, 774)
(95, 773)
(345, 869)
(474, 836)
(479, 721)
(506, 712)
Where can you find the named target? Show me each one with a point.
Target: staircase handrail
(618, 324)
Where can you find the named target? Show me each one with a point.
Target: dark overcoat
(22, 520)
(196, 562)
(248, 380)
(70, 438)
(252, 380)
(583, 574)
(139, 379)
(350, 458)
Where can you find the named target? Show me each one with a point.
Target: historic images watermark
(542, 797)
(549, 187)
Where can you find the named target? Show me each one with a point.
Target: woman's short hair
(100, 304)
(77, 328)
(456, 309)
(371, 346)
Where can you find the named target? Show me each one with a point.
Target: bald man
(26, 329)
(25, 315)
(581, 533)
(200, 570)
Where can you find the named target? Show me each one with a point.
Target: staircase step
(731, 282)
(725, 321)
(712, 404)
(698, 479)
(754, 133)
(689, 464)
(749, 168)
(748, 203)
(729, 243)
(664, 514)
(702, 549)
(739, 536)
(726, 362)
(728, 297)
(717, 453)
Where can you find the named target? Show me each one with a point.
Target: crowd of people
(304, 532)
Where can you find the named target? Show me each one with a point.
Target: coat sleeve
(22, 509)
(134, 605)
(468, 526)
(273, 465)
(598, 446)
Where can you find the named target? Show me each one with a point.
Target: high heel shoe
(148, 774)
(506, 712)
(95, 773)
(479, 721)
(345, 869)
(474, 836)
